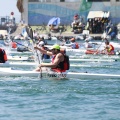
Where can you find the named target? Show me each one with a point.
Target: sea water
(74, 99)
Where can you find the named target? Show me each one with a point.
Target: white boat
(18, 64)
(93, 60)
(20, 58)
(8, 72)
(16, 52)
(69, 49)
(33, 64)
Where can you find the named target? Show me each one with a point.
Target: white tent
(3, 32)
(98, 14)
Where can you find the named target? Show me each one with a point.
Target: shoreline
(66, 33)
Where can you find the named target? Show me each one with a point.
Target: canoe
(69, 49)
(18, 64)
(8, 72)
(15, 52)
(20, 58)
(33, 64)
(99, 52)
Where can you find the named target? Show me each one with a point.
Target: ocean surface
(31, 98)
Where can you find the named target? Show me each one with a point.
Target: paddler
(73, 44)
(58, 60)
(109, 47)
(42, 46)
(11, 43)
(88, 44)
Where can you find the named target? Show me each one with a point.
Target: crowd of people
(94, 25)
(100, 25)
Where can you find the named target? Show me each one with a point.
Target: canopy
(3, 32)
(54, 21)
(98, 14)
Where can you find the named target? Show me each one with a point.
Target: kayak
(69, 49)
(8, 72)
(20, 58)
(18, 64)
(33, 64)
(99, 52)
(15, 52)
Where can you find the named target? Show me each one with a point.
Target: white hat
(41, 43)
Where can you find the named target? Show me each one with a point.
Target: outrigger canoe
(8, 72)
(33, 64)
(20, 58)
(99, 52)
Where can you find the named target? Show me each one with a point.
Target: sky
(8, 6)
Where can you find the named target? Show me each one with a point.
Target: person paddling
(58, 64)
(109, 48)
(73, 44)
(11, 43)
(42, 46)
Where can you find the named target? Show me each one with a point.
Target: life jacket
(62, 66)
(77, 45)
(14, 45)
(3, 56)
(111, 48)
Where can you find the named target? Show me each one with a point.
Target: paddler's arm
(43, 51)
(57, 60)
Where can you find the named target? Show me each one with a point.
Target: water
(26, 98)
(34, 99)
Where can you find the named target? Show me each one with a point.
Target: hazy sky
(8, 6)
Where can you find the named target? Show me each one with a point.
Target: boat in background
(99, 52)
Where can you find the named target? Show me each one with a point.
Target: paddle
(25, 46)
(98, 48)
(30, 34)
(101, 43)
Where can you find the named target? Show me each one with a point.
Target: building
(37, 12)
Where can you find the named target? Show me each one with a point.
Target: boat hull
(98, 52)
(20, 73)
(19, 58)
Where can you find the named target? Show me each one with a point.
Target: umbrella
(54, 21)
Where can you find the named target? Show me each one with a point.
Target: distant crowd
(93, 25)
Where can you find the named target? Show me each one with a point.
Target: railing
(6, 20)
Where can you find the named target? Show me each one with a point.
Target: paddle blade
(29, 31)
